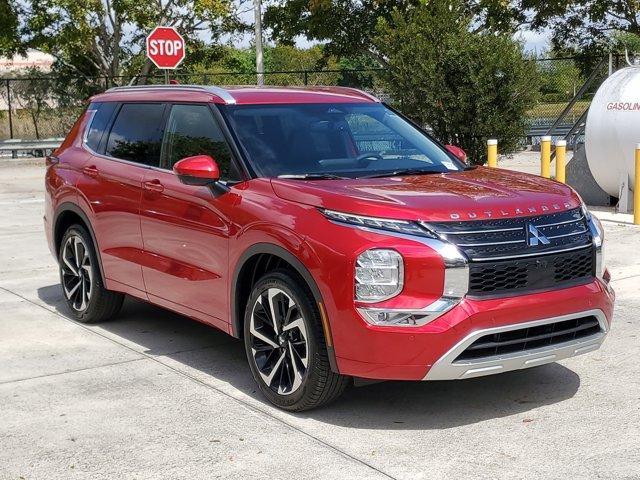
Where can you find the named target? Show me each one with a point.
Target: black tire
(319, 384)
(99, 304)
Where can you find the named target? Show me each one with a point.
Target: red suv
(331, 234)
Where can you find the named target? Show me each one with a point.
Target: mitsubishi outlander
(332, 235)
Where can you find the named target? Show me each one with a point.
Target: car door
(184, 228)
(112, 185)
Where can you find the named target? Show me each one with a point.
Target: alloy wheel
(77, 273)
(279, 342)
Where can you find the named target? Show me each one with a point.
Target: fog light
(378, 275)
(392, 318)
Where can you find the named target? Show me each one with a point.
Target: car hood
(475, 194)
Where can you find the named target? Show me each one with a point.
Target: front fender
(266, 238)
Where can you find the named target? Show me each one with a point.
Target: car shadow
(390, 405)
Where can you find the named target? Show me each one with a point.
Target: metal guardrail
(534, 134)
(33, 148)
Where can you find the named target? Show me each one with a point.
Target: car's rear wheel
(285, 344)
(84, 293)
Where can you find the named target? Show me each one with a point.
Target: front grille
(506, 256)
(484, 240)
(530, 273)
(525, 339)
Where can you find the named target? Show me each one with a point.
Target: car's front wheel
(285, 344)
(84, 293)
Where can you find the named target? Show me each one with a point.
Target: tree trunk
(144, 72)
(34, 119)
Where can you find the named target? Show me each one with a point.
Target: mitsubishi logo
(536, 237)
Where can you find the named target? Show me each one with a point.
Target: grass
(52, 123)
(546, 110)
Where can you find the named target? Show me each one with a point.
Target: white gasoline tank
(613, 129)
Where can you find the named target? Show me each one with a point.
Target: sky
(535, 42)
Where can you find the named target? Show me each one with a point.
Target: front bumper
(429, 352)
(449, 368)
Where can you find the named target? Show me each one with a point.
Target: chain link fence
(34, 108)
(46, 107)
(560, 80)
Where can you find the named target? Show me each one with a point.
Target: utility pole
(257, 7)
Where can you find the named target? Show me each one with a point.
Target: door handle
(91, 171)
(153, 185)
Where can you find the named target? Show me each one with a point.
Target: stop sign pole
(165, 48)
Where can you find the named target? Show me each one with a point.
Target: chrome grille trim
(489, 244)
(525, 255)
(581, 219)
(447, 368)
(472, 232)
(551, 237)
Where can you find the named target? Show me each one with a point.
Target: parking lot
(155, 395)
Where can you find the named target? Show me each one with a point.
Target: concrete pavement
(155, 395)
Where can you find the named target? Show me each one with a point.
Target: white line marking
(22, 201)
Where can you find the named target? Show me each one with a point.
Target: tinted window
(101, 115)
(345, 139)
(136, 134)
(192, 130)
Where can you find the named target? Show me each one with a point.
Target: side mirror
(200, 170)
(459, 153)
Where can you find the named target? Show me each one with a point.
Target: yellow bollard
(545, 157)
(561, 158)
(636, 189)
(492, 153)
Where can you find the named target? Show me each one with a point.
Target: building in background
(33, 58)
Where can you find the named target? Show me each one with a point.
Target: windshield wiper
(404, 171)
(313, 176)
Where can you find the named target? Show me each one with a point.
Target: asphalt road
(155, 395)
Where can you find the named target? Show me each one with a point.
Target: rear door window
(136, 134)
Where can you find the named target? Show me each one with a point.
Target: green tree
(278, 58)
(629, 42)
(466, 86)
(559, 79)
(10, 41)
(583, 25)
(346, 26)
(101, 37)
(360, 71)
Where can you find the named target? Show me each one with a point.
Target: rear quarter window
(101, 115)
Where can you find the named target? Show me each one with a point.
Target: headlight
(597, 233)
(379, 275)
(379, 272)
(399, 226)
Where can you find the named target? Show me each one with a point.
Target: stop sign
(165, 47)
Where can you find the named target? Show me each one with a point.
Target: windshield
(334, 140)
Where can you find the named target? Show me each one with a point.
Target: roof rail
(230, 100)
(360, 93)
(217, 91)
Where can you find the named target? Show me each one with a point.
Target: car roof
(237, 95)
